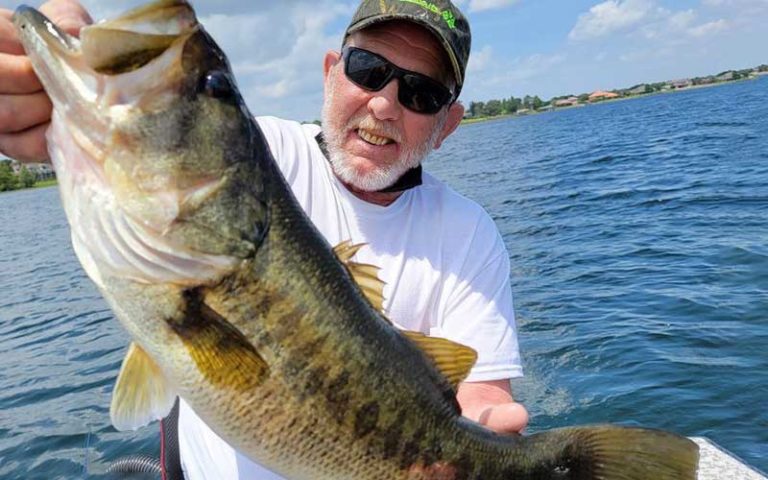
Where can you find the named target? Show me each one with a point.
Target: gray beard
(380, 178)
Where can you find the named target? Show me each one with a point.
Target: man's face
(372, 139)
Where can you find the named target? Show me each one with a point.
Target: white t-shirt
(442, 259)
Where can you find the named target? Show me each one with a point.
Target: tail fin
(616, 453)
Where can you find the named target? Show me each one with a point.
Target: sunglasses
(415, 92)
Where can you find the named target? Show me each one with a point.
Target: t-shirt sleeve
(291, 144)
(479, 311)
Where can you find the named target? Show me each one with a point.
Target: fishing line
(87, 456)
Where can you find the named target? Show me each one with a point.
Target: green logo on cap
(447, 15)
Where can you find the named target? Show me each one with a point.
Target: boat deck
(717, 464)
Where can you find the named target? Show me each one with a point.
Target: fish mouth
(127, 115)
(104, 83)
(75, 70)
(28, 19)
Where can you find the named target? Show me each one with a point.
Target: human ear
(452, 122)
(332, 57)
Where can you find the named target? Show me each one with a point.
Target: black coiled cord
(136, 464)
(169, 453)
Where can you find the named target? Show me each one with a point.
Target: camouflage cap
(440, 17)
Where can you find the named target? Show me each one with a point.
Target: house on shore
(567, 102)
(601, 95)
(41, 171)
(680, 84)
(638, 90)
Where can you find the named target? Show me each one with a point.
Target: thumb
(511, 417)
(68, 15)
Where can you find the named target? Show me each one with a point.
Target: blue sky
(536, 47)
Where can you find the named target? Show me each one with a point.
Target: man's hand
(491, 404)
(25, 109)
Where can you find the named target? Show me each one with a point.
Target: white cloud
(682, 20)
(276, 67)
(610, 16)
(510, 74)
(237, 34)
(278, 89)
(667, 25)
(709, 28)
(479, 60)
(646, 19)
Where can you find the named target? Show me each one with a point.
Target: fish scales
(337, 357)
(181, 217)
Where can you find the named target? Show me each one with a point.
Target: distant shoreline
(46, 184)
(469, 121)
(41, 184)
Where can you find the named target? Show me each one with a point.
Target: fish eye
(217, 84)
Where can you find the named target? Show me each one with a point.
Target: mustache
(379, 128)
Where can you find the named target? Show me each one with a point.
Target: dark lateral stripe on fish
(366, 419)
(338, 396)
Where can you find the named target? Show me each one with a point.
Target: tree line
(512, 105)
(505, 106)
(9, 180)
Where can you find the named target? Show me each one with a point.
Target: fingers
(26, 146)
(17, 75)
(509, 417)
(20, 112)
(9, 41)
(24, 108)
(69, 15)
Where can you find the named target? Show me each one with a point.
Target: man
(390, 98)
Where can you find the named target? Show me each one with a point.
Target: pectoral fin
(452, 359)
(221, 352)
(141, 393)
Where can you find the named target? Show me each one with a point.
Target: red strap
(163, 472)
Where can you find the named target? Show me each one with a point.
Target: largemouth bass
(236, 303)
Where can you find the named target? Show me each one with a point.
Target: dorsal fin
(365, 275)
(346, 250)
(454, 360)
(141, 393)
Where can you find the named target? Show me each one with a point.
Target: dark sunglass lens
(422, 94)
(418, 101)
(367, 70)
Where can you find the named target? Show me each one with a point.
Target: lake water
(638, 234)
